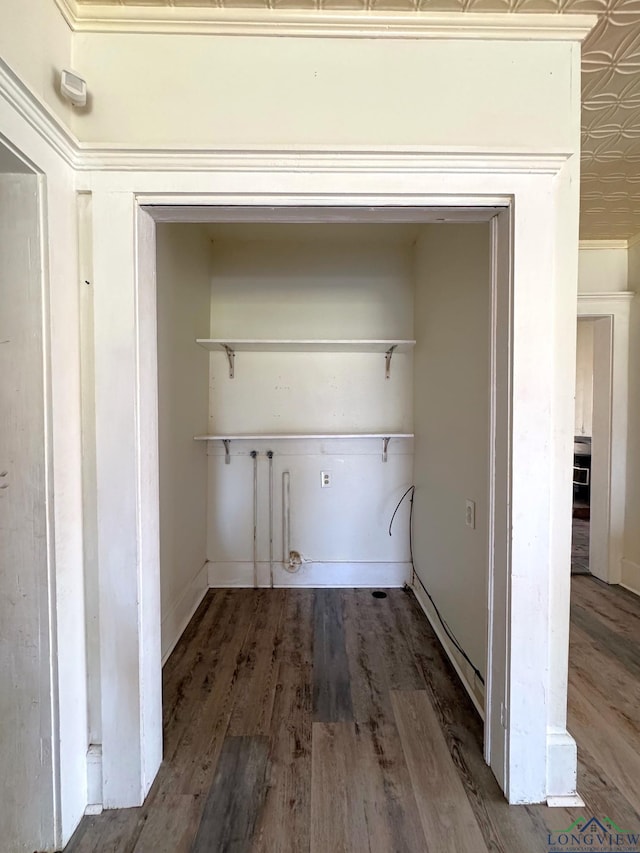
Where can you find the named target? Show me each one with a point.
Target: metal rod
(270, 457)
(254, 455)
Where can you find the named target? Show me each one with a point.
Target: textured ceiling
(610, 206)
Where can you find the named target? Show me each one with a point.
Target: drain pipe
(270, 458)
(254, 456)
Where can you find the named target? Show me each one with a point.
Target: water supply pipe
(254, 456)
(270, 457)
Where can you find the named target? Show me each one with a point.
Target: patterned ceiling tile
(610, 190)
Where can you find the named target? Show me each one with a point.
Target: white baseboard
(178, 617)
(311, 575)
(630, 576)
(465, 673)
(562, 766)
(94, 779)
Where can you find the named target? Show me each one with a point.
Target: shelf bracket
(231, 357)
(385, 447)
(387, 360)
(227, 455)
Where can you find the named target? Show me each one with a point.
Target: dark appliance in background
(581, 477)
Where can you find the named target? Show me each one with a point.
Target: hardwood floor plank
(378, 655)
(612, 645)
(256, 675)
(284, 825)
(504, 828)
(447, 818)
(114, 831)
(618, 608)
(234, 802)
(171, 826)
(331, 683)
(361, 794)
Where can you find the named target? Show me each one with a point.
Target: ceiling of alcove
(610, 185)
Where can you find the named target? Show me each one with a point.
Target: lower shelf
(385, 437)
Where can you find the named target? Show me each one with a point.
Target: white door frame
(609, 445)
(526, 684)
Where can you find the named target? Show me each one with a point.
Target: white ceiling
(610, 204)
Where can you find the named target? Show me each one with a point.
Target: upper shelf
(230, 347)
(315, 345)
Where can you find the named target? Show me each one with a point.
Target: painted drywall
(183, 292)
(35, 42)
(451, 382)
(26, 736)
(584, 378)
(601, 270)
(631, 559)
(329, 91)
(308, 286)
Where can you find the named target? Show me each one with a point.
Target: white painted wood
(310, 575)
(308, 345)
(303, 436)
(28, 691)
(42, 142)
(572, 801)
(611, 403)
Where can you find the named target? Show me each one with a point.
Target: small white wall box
(73, 87)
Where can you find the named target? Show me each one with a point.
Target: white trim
(311, 575)
(178, 616)
(569, 802)
(633, 241)
(589, 301)
(630, 576)
(599, 245)
(388, 159)
(476, 694)
(311, 23)
(37, 115)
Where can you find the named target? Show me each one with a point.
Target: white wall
(35, 42)
(584, 378)
(319, 92)
(309, 285)
(26, 695)
(183, 288)
(451, 382)
(631, 560)
(601, 270)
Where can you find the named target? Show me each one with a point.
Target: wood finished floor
(329, 721)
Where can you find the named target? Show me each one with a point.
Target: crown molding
(210, 20)
(327, 159)
(601, 300)
(42, 119)
(599, 245)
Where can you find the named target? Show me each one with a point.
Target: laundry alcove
(353, 352)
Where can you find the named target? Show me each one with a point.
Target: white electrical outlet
(470, 514)
(325, 479)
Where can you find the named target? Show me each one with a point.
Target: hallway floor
(329, 720)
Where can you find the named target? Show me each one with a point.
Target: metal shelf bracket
(385, 447)
(227, 454)
(387, 360)
(231, 357)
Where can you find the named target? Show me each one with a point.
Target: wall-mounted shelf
(385, 437)
(230, 347)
